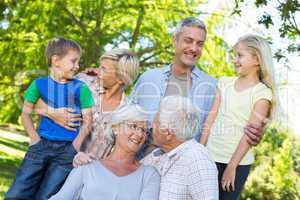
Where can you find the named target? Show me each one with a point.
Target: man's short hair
(179, 115)
(60, 46)
(190, 22)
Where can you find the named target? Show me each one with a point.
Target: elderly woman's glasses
(135, 127)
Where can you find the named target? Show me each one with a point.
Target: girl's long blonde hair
(260, 48)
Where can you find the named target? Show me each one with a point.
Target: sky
(235, 26)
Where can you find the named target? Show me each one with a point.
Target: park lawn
(12, 150)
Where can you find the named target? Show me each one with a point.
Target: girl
(247, 98)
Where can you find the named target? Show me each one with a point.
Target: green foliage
(275, 173)
(140, 25)
(8, 165)
(266, 19)
(12, 150)
(288, 9)
(289, 23)
(144, 26)
(216, 57)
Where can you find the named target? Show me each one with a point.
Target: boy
(52, 147)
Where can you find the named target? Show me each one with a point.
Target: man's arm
(28, 123)
(210, 118)
(254, 133)
(84, 129)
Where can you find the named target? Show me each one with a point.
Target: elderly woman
(117, 70)
(118, 176)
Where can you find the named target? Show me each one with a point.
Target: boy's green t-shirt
(86, 99)
(75, 94)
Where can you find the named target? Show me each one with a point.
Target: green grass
(12, 150)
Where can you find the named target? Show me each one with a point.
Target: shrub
(275, 173)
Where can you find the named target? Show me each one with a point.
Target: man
(186, 169)
(183, 78)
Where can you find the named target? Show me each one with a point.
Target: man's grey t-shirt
(177, 85)
(93, 181)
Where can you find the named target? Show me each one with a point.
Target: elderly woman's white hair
(128, 112)
(178, 114)
(127, 66)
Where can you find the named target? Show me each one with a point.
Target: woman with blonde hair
(248, 98)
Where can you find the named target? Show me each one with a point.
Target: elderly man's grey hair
(178, 114)
(128, 112)
(190, 22)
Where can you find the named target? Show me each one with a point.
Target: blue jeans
(43, 171)
(242, 172)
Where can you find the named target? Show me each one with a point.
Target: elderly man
(186, 169)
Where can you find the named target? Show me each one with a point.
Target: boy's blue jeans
(43, 170)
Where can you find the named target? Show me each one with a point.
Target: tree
(289, 26)
(144, 26)
(140, 25)
(217, 54)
